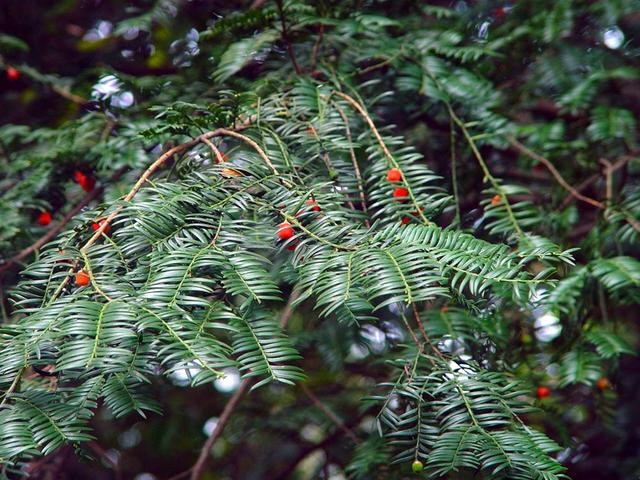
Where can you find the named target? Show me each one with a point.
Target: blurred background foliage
(104, 86)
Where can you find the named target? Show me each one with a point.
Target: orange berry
(44, 218)
(444, 309)
(603, 383)
(543, 392)
(496, 200)
(394, 175)
(82, 278)
(400, 193)
(13, 73)
(285, 230)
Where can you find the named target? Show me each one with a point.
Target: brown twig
(257, 4)
(383, 146)
(354, 161)
(608, 172)
(55, 229)
(316, 47)
(244, 138)
(536, 156)
(285, 37)
(196, 470)
(621, 162)
(328, 413)
(416, 315)
(69, 96)
(214, 149)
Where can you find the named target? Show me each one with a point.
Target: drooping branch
(205, 451)
(57, 228)
(384, 148)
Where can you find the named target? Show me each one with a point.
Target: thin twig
(231, 405)
(214, 149)
(454, 173)
(416, 315)
(535, 156)
(285, 473)
(608, 172)
(54, 230)
(328, 413)
(244, 138)
(621, 162)
(196, 470)
(384, 148)
(316, 47)
(69, 96)
(483, 166)
(13, 386)
(102, 453)
(285, 37)
(354, 161)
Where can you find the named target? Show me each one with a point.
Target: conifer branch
(384, 148)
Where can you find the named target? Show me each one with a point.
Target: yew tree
(348, 239)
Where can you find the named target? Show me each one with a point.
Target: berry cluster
(286, 231)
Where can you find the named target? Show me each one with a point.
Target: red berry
(394, 175)
(292, 246)
(88, 184)
(44, 218)
(543, 392)
(315, 207)
(82, 279)
(405, 220)
(13, 73)
(499, 13)
(96, 225)
(79, 177)
(400, 193)
(285, 231)
(496, 200)
(603, 383)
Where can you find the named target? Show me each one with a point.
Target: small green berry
(417, 466)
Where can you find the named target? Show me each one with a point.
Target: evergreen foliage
(265, 127)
